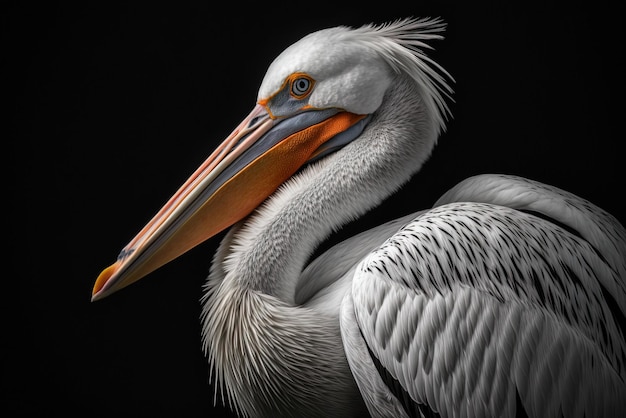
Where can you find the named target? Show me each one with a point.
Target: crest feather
(402, 43)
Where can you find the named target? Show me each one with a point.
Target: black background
(112, 107)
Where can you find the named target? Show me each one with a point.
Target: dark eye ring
(301, 86)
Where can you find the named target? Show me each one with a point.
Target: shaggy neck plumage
(271, 248)
(266, 352)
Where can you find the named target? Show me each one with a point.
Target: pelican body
(506, 298)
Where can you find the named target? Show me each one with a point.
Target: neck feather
(270, 249)
(254, 334)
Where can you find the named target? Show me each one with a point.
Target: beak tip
(100, 287)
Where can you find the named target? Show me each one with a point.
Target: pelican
(506, 298)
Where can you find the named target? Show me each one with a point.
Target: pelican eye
(301, 85)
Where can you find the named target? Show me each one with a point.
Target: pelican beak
(260, 154)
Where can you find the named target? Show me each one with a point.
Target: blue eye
(301, 85)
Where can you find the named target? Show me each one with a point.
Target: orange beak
(260, 154)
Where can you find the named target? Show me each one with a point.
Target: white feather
(473, 308)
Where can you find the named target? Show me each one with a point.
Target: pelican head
(318, 96)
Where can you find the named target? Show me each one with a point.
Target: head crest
(402, 43)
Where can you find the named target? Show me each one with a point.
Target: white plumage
(507, 298)
(479, 309)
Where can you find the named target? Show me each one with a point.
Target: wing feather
(479, 309)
